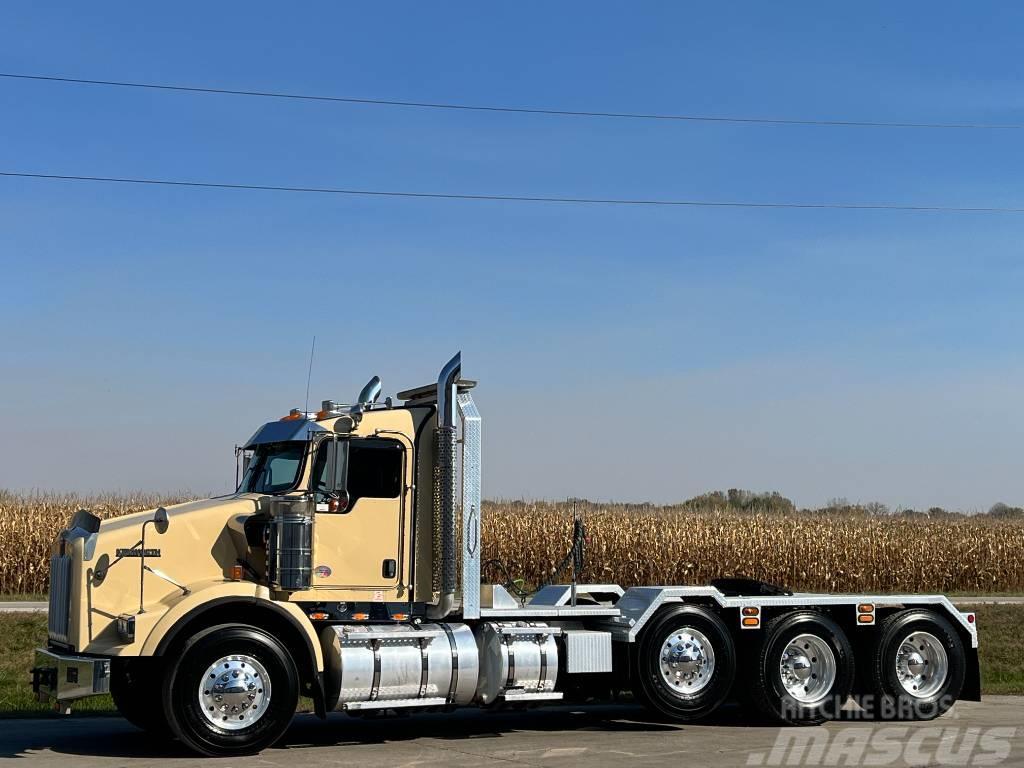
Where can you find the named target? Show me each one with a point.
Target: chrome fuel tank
(519, 661)
(388, 666)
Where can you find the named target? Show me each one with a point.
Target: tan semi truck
(346, 568)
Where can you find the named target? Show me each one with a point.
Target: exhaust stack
(444, 482)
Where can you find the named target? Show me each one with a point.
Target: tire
(685, 663)
(261, 690)
(803, 650)
(904, 681)
(133, 682)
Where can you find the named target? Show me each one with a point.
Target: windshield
(274, 467)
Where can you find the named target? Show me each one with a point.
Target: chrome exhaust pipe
(445, 492)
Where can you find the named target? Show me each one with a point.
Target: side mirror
(161, 520)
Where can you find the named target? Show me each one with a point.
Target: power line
(518, 198)
(520, 110)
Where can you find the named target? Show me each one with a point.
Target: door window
(374, 469)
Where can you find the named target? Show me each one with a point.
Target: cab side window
(374, 469)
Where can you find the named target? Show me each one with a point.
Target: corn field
(30, 522)
(836, 552)
(645, 544)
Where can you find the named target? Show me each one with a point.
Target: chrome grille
(60, 597)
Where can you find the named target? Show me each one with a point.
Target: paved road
(15, 606)
(22, 606)
(595, 737)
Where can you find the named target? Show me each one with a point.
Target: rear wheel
(804, 670)
(233, 691)
(135, 685)
(919, 666)
(685, 663)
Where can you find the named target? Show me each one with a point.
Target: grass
(20, 635)
(1001, 647)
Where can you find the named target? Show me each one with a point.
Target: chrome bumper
(61, 677)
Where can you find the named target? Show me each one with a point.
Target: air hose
(575, 557)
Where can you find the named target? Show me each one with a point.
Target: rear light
(866, 614)
(970, 618)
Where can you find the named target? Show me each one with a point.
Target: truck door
(360, 547)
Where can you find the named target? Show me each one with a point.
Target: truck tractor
(346, 568)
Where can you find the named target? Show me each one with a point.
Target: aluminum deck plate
(549, 612)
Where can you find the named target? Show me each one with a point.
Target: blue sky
(624, 353)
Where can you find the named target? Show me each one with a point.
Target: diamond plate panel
(471, 453)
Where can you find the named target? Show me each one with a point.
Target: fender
(221, 593)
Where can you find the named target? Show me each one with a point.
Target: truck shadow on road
(116, 738)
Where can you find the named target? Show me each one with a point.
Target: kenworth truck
(346, 568)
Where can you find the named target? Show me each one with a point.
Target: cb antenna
(309, 375)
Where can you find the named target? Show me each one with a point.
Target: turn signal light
(751, 621)
(865, 608)
(866, 618)
(338, 503)
(237, 573)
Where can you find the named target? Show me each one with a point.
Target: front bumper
(60, 677)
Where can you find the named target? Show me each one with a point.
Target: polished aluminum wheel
(922, 665)
(808, 668)
(687, 661)
(234, 692)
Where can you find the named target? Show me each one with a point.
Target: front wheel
(233, 691)
(685, 663)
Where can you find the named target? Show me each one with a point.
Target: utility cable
(915, 207)
(694, 118)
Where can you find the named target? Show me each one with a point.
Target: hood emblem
(137, 552)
